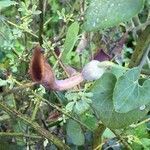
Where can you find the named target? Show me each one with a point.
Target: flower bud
(92, 71)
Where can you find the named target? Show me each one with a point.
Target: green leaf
(6, 3)
(81, 106)
(108, 134)
(75, 133)
(117, 71)
(103, 104)
(70, 40)
(146, 143)
(128, 94)
(69, 106)
(102, 14)
(90, 120)
(3, 82)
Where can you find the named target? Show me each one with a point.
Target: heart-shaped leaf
(103, 104)
(128, 94)
(102, 14)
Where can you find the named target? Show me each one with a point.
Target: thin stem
(36, 109)
(58, 59)
(148, 61)
(21, 28)
(140, 123)
(136, 21)
(41, 25)
(144, 58)
(19, 135)
(141, 49)
(97, 136)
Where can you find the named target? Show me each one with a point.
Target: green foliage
(70, 40)
(103, 103)
(6, 3)
(119, 100)
(102, 14)
(128, 94)
(75, 133)
(90, 120)
(28, 12)
(78, 102)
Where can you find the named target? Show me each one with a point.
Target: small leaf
(3, 82)
(103, 104)
(6, 3)
(128, 94)
(81, 106)
(70, 40)
(37, 12)
(69, 106)
(75, 133)
(102, 14)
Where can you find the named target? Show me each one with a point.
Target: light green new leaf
(128, 94)
(70, 40)
(81, 106)
(103, 104)
(6, 3)
(3, 82)
(69, 106)
(75, 133)
(102, 14)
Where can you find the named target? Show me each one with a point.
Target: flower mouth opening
(36, 72)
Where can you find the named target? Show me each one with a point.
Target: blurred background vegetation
(72, 34)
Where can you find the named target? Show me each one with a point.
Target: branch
(20, 135)
(140, 123)
(97, 136)
(21, 28)
(141, 48)
(144, 58)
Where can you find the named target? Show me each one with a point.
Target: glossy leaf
(70, 40)
(74, 132)
(103, 104)
(128, 94)
(102, 14)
